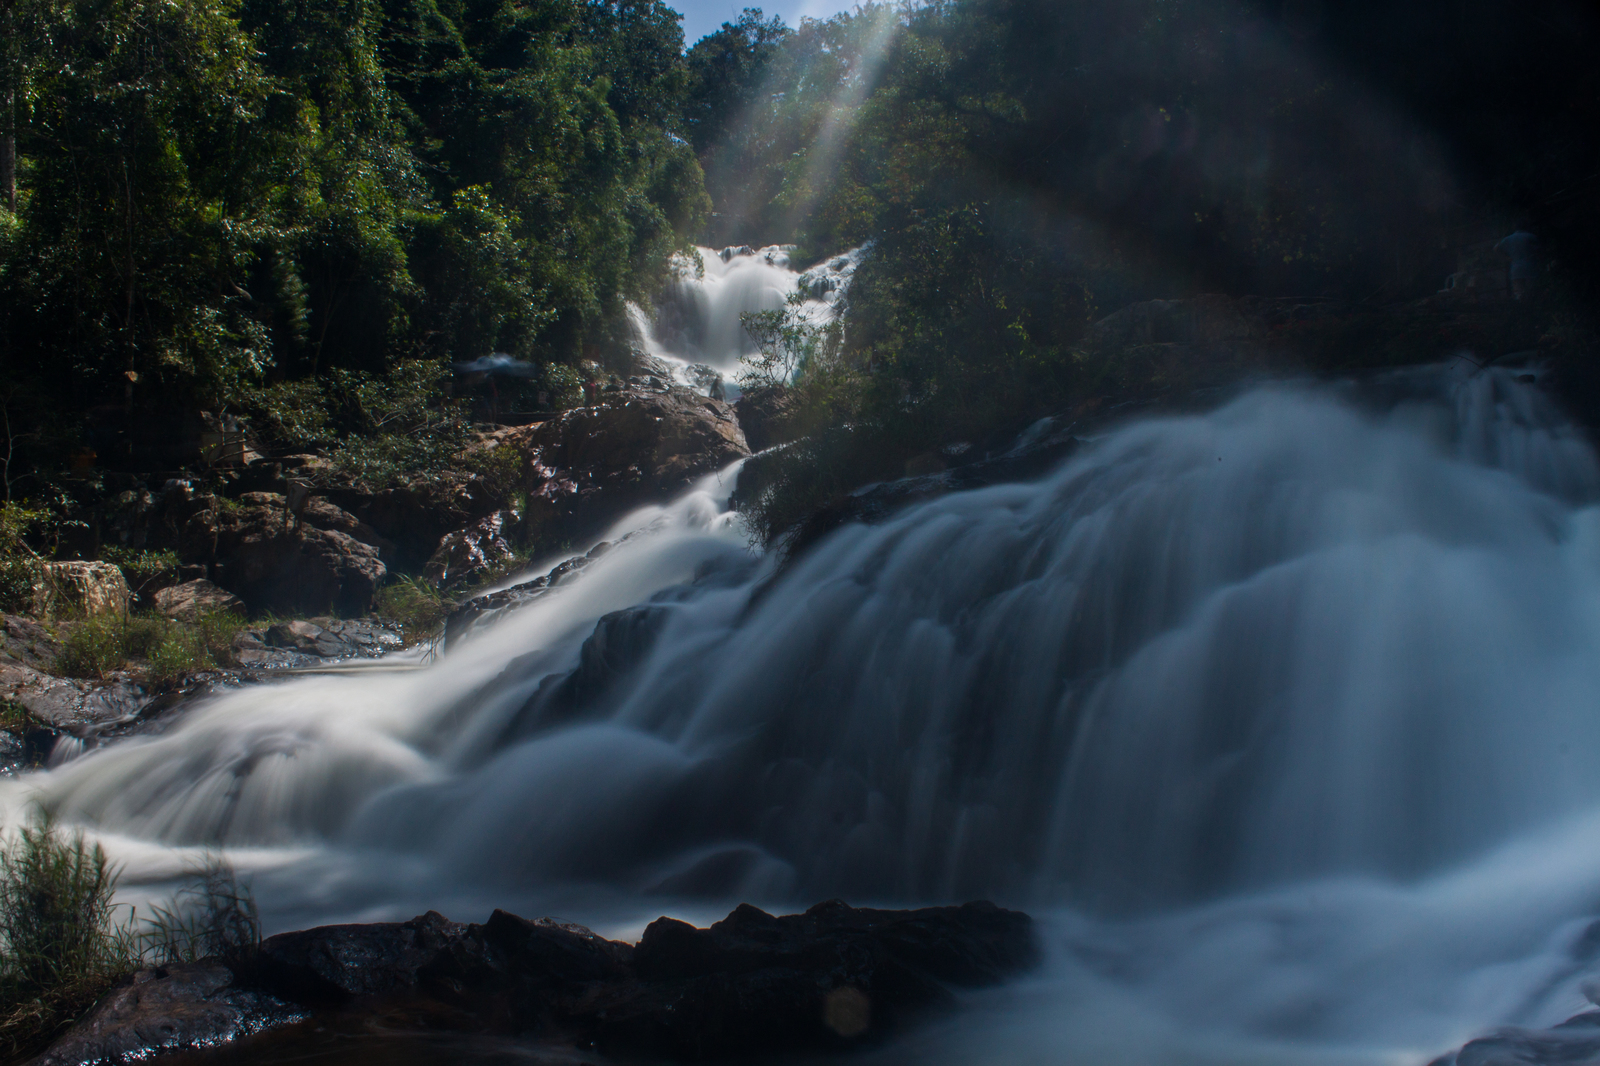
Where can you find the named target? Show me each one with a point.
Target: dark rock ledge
(751, 986)
(1575, 1042)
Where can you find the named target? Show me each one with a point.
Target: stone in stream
(751, 986)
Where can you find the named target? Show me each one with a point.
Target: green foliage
(781, 489)
(170, 650)
(92, 649)
(277, 206)
(15, 718)
(140, 566)
(564, 384)
(416, 604)
(62, 948)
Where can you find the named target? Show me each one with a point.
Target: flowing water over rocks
(1281, 716)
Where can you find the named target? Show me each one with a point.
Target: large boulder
(831, 979)
(192, 600)
(644, 444)
(767, 415)
(261, 552)
(83, 589)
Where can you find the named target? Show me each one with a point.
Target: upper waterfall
(696, 321)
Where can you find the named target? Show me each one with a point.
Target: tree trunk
(8, 149)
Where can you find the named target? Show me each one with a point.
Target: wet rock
(81, 589)
(333, 963)
(186, 1005)
(524, 975)
(304, 643)
(752, 986)
(830, 979)
(191, 600)
(481, 610)
(1033, 454)
(474, 549)
(64, 704)
(620, 641)
(1575, 1042)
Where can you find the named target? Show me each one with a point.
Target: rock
(1575, 1042)
(321, 513)
(481, 610)
(590, 466)
(830, 979)
(25, 642)
(302, 643)
(416, 516)
(185, 1005)
(620, 641)
(85, 589)
(472, 550)
(525, 976)
(337, 962)
(65, 704)
(1033, 454)
(766, 415)
(259, 555)
(191, 600)
(752, 986)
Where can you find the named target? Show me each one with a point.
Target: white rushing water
(696, 322)
(1282, 718)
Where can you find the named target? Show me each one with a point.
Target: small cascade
(695, 326)
(1283, 716)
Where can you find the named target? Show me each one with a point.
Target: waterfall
(696, 321)
(1283, 715)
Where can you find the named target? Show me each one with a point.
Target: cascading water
(1282, 717)
(697, 320)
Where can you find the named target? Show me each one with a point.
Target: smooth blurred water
(1285, 720)
(697, 320)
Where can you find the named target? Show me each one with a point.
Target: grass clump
(62, 948)
(414, 603)
(96, 648)
(16, 719)
(212, 917)
(93, 649)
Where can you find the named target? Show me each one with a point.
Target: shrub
(214, 634)
(19, 564)
(62, 949)
(173, 658)
(15, 718)
(142, 567)
(93, 649)
(415, 604)
(18, 576)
